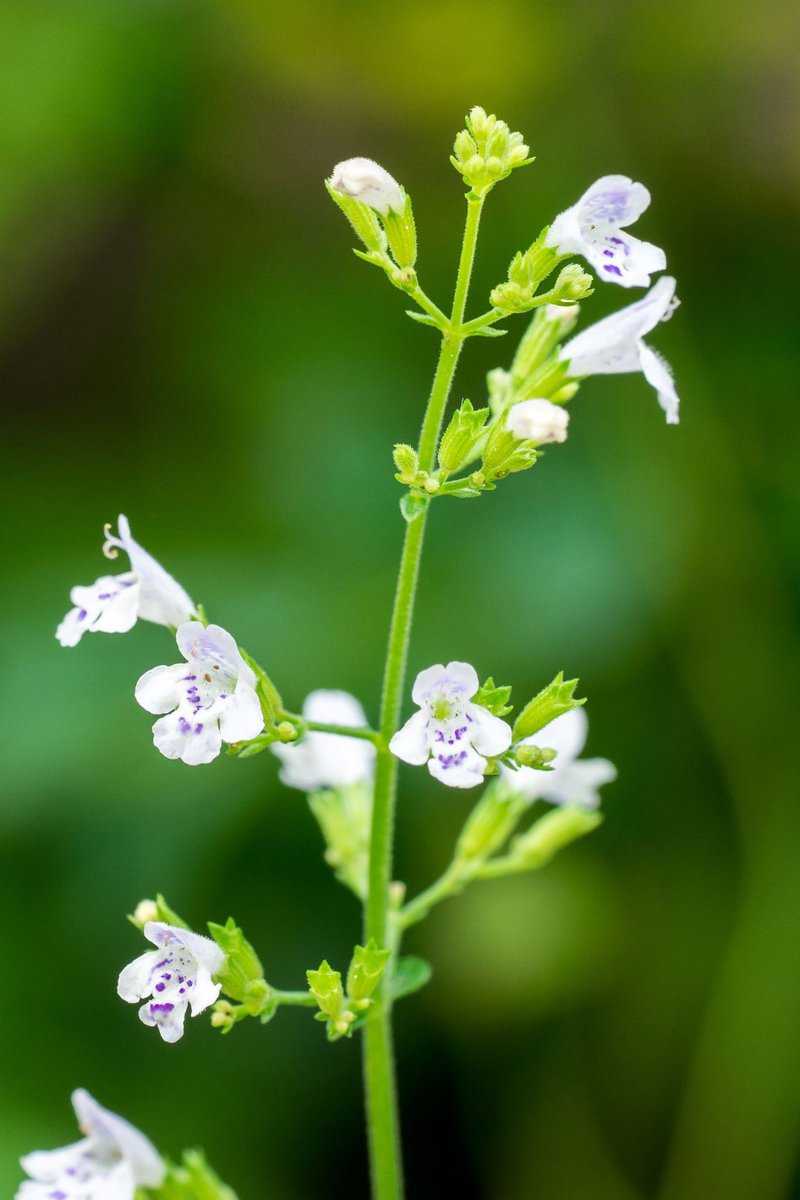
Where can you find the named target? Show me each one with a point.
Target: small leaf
(409, 975)
(422, 318)
(489, 331)
(412, 505)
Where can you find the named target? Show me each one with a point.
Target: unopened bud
(538, 421)
(146, 910)
(370, 183)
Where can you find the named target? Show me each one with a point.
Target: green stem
(381, 1098)
(448, 884)
(352, 731)
(303, 999)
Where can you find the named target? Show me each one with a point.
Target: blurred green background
(186, 337)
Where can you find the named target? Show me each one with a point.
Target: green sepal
(412, 505)
(551, 702)
(551, 833)
(344, 815)
(325, 984)
(410, 973)
(192, 1179)
(465, 492)
(365, 972)
(270, 697)
(495, 698)
(490, 331)
(505, 454)
(242, 975)
(362, 218)
(401, 231)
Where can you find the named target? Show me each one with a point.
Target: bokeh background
(186, 337)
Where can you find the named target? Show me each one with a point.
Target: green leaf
(422, 318)
(412, 505)
(409, 975)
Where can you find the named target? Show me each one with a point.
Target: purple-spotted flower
(114, 603)
(111, 1161)
(370, 183)
(593, 228)
(573, 780)
(177, 976)
(210, 699)
(614, 346)
(327, 760)
(449, 733)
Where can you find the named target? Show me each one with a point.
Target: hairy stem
(381, 1098)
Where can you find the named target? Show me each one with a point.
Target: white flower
(572, 780)
(114, 603)
(449, 733)
(109, 1163)
(179, 974)
(593, 228)
(614, 346)
(538, 421)
(211, 698)
(369, 182)
(327, 760)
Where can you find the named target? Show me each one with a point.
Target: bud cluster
(529, 269)
(487, 151)
(340, 1008)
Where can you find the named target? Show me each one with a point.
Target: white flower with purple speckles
(593, 228)
(614, 346)
(572, 780)
(210, 699)
(114, 603)
(109, 1163)
(176, 976)
(327, 760)
(449, 733)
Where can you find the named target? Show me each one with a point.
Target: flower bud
(368, 182)
(538, 421)
(364, 973)
(572, 284)
(146, 910)
(534, 756)
(406, 460)
(551, 833)
(550, 325)
(557, 698)
(461, 437)
(489, 823)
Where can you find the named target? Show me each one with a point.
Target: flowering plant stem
(381, 1096)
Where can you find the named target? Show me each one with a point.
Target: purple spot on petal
(198, 727)
(183, 725)
(160, 987)
(82, 614)
(611, 269)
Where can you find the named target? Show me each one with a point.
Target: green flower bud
(550, 834)
(365, 972)
(505, 454)
(549, 326)
(325, 984)
(534, 756)
(343, 815)
(490, 823)
(406, 460)
(557, 698)
(572, 284)
(462, 436)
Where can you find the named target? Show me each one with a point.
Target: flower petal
(623, 259)
(73, 627)
(204, 994)
(465, 676)
(460, 768)
(45, 1166)
(410, 744)
(611, 346)
(103, 1125)
(181, 735)
(157, 690)
(134, 980)
(240, 717)
(490, 735)
(205, 949)
(658, 374)
(613, 200)
(163, 600)
(166, 1016)
(579, 782)
(426, 681)
(566, 735)
(333, 708)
